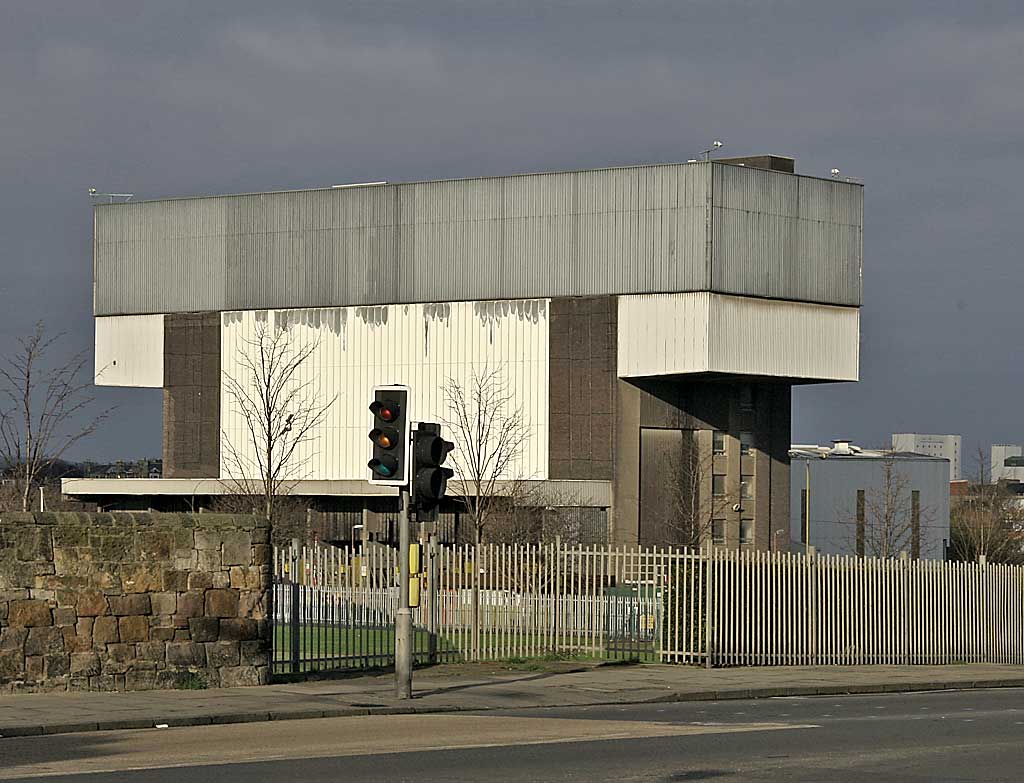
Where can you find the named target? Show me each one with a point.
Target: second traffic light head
(431, 449)
(430, 479)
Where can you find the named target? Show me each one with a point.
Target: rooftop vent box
(769, 162)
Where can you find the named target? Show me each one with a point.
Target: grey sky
(923, 101)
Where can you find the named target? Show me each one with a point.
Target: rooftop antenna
(836, 174)
(715, 146)
(94, 194)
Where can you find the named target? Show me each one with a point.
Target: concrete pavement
(474, 687)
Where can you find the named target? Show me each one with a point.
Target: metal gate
(334, 608)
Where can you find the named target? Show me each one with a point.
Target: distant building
(947, 446)
(1007, 463)
(839, 492)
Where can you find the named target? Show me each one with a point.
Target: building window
(746, 531)
(718, 531)
(718, 484)
(746, 398)
(718, 442)
(747, 486)
(803, 517)
(860, 523)
(915, 524)
(746, 443)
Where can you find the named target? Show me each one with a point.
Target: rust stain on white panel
(420, 345)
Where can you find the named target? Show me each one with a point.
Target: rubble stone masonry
(133, 601)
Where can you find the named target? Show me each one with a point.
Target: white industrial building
(629, 310)
(1007, 463)
(853, 501)
(945, 446)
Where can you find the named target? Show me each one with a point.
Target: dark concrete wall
(596, 421)
(582, 388)
(192, 395)
(690, 405)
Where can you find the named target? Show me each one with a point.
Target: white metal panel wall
(663, 334)
(130, 351)
(784, 339)
(420, 345)
(678, 334)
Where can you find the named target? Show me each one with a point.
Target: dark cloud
(923, 101)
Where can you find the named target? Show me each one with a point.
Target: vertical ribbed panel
(786, 237)
(616, 231)
(419, 345)
(678, 334)
(789, 339)
(663, 334)
(130, 351)
(567, 234)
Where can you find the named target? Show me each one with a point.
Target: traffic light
(390, 436)
(430, 479)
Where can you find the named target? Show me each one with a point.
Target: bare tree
(535, 513)
(693, 506)
(45, 408)
(280, 409)
(987, 521)
(291, 514)
(489, 432)
(889, 523)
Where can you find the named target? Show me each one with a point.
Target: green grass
(324, 648)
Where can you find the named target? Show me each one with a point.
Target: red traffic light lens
(387, 411)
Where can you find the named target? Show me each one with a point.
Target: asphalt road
(945, 736)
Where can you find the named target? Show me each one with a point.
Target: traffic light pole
(403, 619)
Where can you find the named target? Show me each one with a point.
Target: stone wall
(133, 601)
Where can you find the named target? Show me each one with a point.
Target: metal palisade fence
(334, 608)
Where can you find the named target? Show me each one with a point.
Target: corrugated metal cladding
(426, 345)
(678, 334)
(629, 230)
(130, 351)
(786, 237)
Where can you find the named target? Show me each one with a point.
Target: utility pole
(403, 619)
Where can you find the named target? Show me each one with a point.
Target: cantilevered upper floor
(671, 228)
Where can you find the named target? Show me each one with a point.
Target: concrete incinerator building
(635, 313)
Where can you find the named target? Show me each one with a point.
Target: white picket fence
(725, 608)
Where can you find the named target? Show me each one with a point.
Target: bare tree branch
(693, 505)
(490, 434)
(280, 407)
(44, 410)
(888, 527)
(988, 521)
